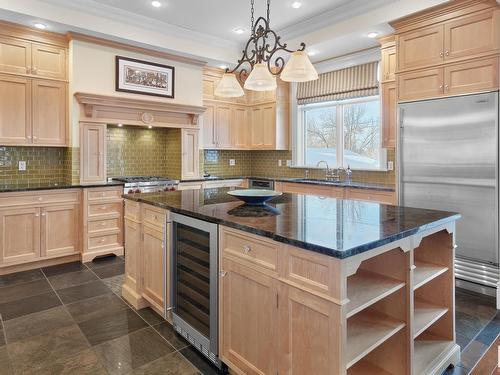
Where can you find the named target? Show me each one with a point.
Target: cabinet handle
(163, 245)
(44, 214)
(103, 224)
(223, 273)
(33, 70)
(247, 249)
(441, 54)
(40, 199)
(102, 240)
(37, 215)
(447, 53)
(440, 87)
(446, 87)
(28, 137)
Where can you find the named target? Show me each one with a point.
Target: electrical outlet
(232, 162)
(22, 165)
(390, 165)
(280, 163)
(288, 163)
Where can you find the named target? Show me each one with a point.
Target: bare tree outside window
(321, 125)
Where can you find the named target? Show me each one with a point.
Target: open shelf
(366, 331)
(365, 288)
(425, 272)
(425, 314)
(428, 352)
(364, 367)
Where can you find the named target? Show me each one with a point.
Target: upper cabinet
(33, 87)
(259, 120)
(448, 50)
(388, 90)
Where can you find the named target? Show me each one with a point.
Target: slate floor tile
(171, 364)
(150, 316)
(30, 305)
(131, 351)
(84, 291)
(5, 364)
(67, 280)
(96, 307)
(115, 283)
(166, 330)
(31, 355)
(83, 363)
(63, 268)
(471, 355)
(2, 334)
(490, 332)
(111, 326)
(19, 291)
(37, 323)
(20, 277)
(105, 261)
(110, 271)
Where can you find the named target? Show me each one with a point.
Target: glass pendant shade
(229, 87)
(260, 79)
(299, 68)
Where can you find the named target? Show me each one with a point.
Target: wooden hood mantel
(117, 109)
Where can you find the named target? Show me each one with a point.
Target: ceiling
(205, 28)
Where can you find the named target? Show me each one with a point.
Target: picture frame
(144, 77)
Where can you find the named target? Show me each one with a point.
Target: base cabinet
(20, 231)
(152, 254)
(60, 230)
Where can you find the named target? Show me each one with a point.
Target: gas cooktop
(136, 179)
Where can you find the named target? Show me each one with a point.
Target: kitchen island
(311, 284)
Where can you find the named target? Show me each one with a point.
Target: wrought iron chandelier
(262, 62)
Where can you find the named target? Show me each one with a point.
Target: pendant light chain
(252, 17)
(268, 13)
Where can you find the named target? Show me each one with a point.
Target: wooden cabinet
(153, 252)
(389, 102)
(15, 55)
(20, 235)
(15, 110)
(49, 113)
(256, 128)
(420, 48)
(92, 153)
(48, 61)
(386, 197)
(240, 127)
(60, 230)
(421, 84)
(388, 62)
(249, 319)
(208, 128)
(190, 168)
(223, 126)
(472, 76)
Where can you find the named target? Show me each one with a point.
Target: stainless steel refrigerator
(448, 160)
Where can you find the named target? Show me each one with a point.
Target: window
(344, 133)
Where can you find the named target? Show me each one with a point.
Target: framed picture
(142, 77)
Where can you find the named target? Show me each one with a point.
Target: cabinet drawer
(374, 196)
(104, 194)
(132, 210)
(154, 216)
(105, 209)
(250, 248)
(38, 198)
(104, 241)
(103, 225)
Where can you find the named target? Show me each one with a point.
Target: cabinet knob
(102, 240)
(447, 53)
(440, 87)
(446, 87)
(223, 273)
(44, 214)
(37, 215)
(103, 224)
(40, 199)
(33, 70)
(247, 249)
(441, 54)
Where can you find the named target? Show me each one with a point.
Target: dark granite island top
(335, 227)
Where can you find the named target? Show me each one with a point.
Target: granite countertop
(32, 186)
(336, 227)
(353, 184)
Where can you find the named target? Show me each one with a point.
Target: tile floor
(71, 319)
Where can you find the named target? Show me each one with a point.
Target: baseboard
(39, 264)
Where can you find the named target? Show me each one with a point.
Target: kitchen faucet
(329, 175)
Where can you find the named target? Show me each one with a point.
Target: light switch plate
(390, 165)
(22, 165)
(288, 163)
(280, 163)
(232, 162)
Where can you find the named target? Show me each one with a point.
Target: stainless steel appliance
(147, 184)
(194, 283)
(261, 184)
(449, 161)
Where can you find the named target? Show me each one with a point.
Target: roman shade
(348, 83)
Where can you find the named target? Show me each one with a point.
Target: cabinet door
(257, 128)
(421, 48)
(153, 252)
(15, 56)
(309, 332)
(388, 64)
(208, 127)
(15, 110)
(60, 227)
(20, 235)
(92, 153)
(239, 123)
(132, 254)
(470, 77)
(269, 126)
(421, 84)
(48, 61)
(473, 35)
(249, 319)
(389, 111)
(190, 154)
(223, 126)
(49, 113)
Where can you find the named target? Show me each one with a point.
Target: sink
(317, 180)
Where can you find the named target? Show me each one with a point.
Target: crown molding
(119, 109)
(338, 14)
(126, 17)
(346, 61)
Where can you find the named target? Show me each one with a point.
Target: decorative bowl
(254, 197)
